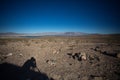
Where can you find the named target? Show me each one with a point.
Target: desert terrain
(94, 57)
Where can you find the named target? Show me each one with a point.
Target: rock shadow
(76, 56)
(111, 54)
(26, 72)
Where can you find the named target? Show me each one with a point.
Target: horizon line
(61, 32)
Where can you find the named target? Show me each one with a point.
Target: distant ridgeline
(36, 35)
(43, 34)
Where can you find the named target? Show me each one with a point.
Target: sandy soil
(66, 58)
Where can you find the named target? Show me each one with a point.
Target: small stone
(85, 78)
(118, 55)
(51, 62)
(54, 52)
(56, 77)
(98, 78)
(9, 54)
(57, 52)
(21, 55)
(83, 56)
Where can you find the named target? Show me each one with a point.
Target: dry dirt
(65, 58)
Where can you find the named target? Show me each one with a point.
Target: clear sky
(32, 16)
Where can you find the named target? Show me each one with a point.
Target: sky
(33, 16)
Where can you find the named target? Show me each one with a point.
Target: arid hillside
(94, 57)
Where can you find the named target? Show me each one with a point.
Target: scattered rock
(78, 56)
(97, 49)
(93, 59)
(56, 52)
(9, 54)
(60, 65)
(51, 62)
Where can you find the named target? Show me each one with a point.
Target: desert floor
(95, 57)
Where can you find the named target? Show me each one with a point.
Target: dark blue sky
(92, 16)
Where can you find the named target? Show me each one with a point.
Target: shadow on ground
(26, 72)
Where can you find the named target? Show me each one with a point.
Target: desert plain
(90, 57)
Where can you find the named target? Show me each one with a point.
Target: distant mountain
(44, 34)
(10, 34)
(60, 34)
(75, 33)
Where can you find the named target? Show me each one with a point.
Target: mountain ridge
(44, 34)
(9, 34)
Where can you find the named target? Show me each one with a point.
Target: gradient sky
(32, 16)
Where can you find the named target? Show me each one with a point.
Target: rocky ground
(66, 58)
